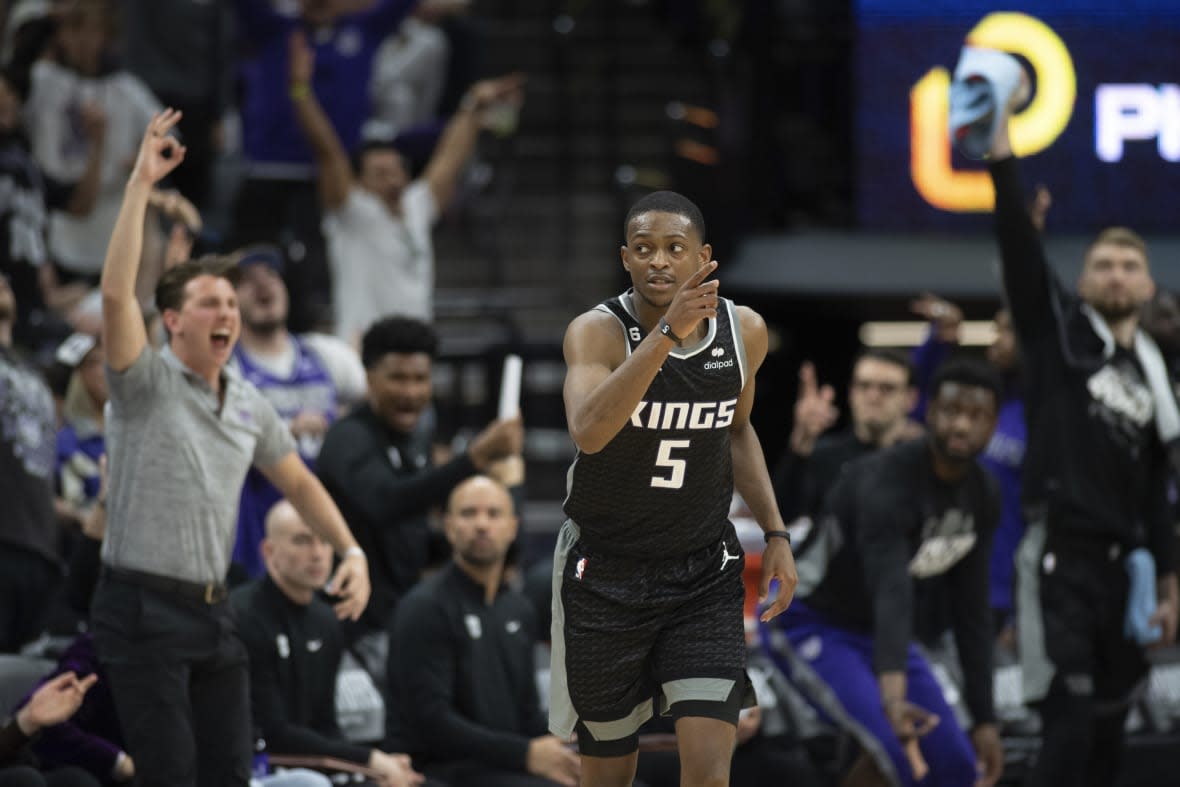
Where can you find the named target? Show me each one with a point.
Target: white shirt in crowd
(54, 121)
(381, 264)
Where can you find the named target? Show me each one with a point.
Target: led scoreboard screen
(1102, 130)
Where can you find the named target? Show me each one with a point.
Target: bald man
(462, 673)
(295, 649)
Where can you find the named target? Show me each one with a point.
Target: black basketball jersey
(662, 486)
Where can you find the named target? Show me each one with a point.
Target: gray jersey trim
(695, 689)
(684, 352)
(562, 716)
(739, 340)
(620, 728)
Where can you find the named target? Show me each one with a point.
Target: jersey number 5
(675, 467)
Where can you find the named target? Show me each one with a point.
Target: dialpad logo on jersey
(717, 364)
(945, 541)
(717, 352)
(684, 415)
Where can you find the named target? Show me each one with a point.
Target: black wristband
(769, 534)
(666, 329)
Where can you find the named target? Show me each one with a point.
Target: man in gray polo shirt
(182, 432)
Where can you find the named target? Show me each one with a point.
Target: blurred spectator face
(83, 35)
(961, 419)
(879, 395)
(9, 108)
(94, 379)
(1002, 353)
(7, 301)
(1116, 280)
(1161, 319)
(400, 388)
(480, 523)
(295, 557)
(383, 173)
(263, 298)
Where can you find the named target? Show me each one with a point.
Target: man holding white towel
(1102, 422)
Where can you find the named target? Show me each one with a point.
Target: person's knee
(608, 771)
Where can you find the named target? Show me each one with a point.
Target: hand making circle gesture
(159, 153)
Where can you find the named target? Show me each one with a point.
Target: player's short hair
(667, 202)
(965, 370)
(170, 288)
(1120, 236)
(376, 145)
(401, 335)
(890, 356)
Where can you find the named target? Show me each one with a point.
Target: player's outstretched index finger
(700, 274)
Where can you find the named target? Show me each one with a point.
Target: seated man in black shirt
(918, 512)
(376, 463)
(295, 647)
(462, 675)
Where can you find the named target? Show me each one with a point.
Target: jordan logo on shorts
(726, 557)
(580, 568)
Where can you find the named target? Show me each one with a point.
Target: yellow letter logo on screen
(1033, 129)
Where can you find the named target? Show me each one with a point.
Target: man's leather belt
(210, 593)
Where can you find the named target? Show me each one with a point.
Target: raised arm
(122, 319)
(1027, 276)
(751, 478)
(604, 385)
(460, 135)
(333, 169)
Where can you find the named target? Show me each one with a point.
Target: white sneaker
(985, 81)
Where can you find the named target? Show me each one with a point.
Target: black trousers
(26, 582)
(1083, 595)
(179, 675)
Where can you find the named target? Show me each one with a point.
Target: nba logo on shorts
(579, 568)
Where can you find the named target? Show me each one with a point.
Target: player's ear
(623, 257)
(706, 253)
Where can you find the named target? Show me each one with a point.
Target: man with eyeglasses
(880, 395)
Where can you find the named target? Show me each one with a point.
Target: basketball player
(647, 607)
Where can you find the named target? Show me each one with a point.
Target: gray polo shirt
(177, 462)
